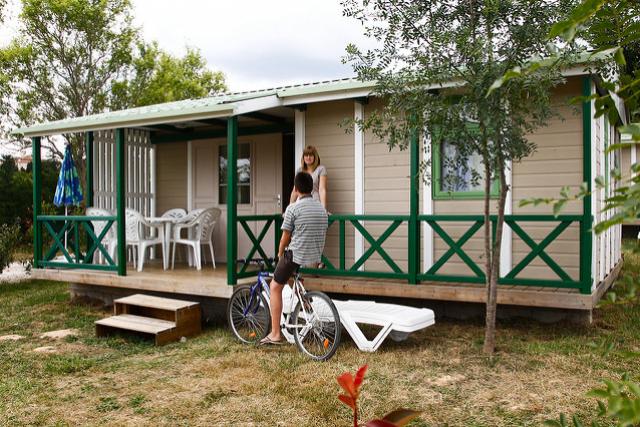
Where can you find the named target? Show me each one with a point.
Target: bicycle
(310, 319)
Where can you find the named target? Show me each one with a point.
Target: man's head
(303, 182)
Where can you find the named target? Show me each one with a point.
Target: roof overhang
(223, 106)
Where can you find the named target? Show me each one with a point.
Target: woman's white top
(316, 174)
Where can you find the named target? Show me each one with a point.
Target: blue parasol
(68, 190)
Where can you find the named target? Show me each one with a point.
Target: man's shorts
(285, 268)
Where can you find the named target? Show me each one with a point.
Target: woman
(310, 163)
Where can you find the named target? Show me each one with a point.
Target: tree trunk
(492, 279)
(489, 336)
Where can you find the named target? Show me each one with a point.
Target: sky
(257, 44)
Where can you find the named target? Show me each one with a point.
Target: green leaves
(620, 400)
(632, 129)
(568, 28)
(157, 77)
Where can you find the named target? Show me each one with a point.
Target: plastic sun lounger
(397, 321)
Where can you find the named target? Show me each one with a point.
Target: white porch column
(153, 182)
(189, 176)
(358, 168)
(427, 204)
(506, 253)
(300, 138)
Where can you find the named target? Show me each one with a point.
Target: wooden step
(149, 301)
(164, 318)
(130, 322)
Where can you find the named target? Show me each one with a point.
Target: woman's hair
(310, 149)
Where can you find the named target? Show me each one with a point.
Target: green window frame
(438, 193)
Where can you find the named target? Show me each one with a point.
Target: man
(304, 230)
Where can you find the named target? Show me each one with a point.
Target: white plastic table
(166, 223)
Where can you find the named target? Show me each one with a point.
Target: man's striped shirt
(307, 221)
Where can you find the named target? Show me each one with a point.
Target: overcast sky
(257, 44)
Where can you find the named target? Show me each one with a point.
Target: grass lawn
(540, 371)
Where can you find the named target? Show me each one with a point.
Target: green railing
(82, 242)
(268, 221)
(454, 246)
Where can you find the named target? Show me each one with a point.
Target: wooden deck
(212, 283)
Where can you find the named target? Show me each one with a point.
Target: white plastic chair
(109, 241)
(200, 231)
(137, 238)
(176, 233)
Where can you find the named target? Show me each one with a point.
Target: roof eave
(48, 129)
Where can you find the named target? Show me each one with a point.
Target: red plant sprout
(351, 385)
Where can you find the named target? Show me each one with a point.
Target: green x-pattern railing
(375, 247)
(513, 277)
(73, 225)
(269, 221)
(455, 246)
(538, 251)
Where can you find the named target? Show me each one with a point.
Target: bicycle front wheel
(249, 318)
(317, 326)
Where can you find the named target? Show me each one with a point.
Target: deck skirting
(213, 284)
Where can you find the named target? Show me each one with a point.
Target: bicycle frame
(298, 291)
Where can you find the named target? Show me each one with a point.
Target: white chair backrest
(98, 226)
(176, 213)
(192, 214)
(132, 225)
(208, 219)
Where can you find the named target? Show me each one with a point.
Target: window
(244, 174)
(456, 177)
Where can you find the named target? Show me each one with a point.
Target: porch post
(120, 202)
(414, 229)
(37, 199)
(586, 233)
(88, 140)
(232, 207)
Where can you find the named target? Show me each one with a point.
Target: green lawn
(540, 371)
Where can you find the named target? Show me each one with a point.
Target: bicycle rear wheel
(317, 326)
(249, 318)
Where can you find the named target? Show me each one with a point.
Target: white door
(268, 184)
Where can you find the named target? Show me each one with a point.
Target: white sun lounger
(397, 321)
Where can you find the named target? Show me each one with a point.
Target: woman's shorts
(285, 268)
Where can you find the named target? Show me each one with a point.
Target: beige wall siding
(171, 176)
(556, 162)
(386, 191)
(336, 149)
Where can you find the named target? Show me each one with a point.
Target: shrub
(9, 237)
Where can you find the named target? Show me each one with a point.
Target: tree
(16, 192)
(158, 77)
(64, 59)
(434, 66)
